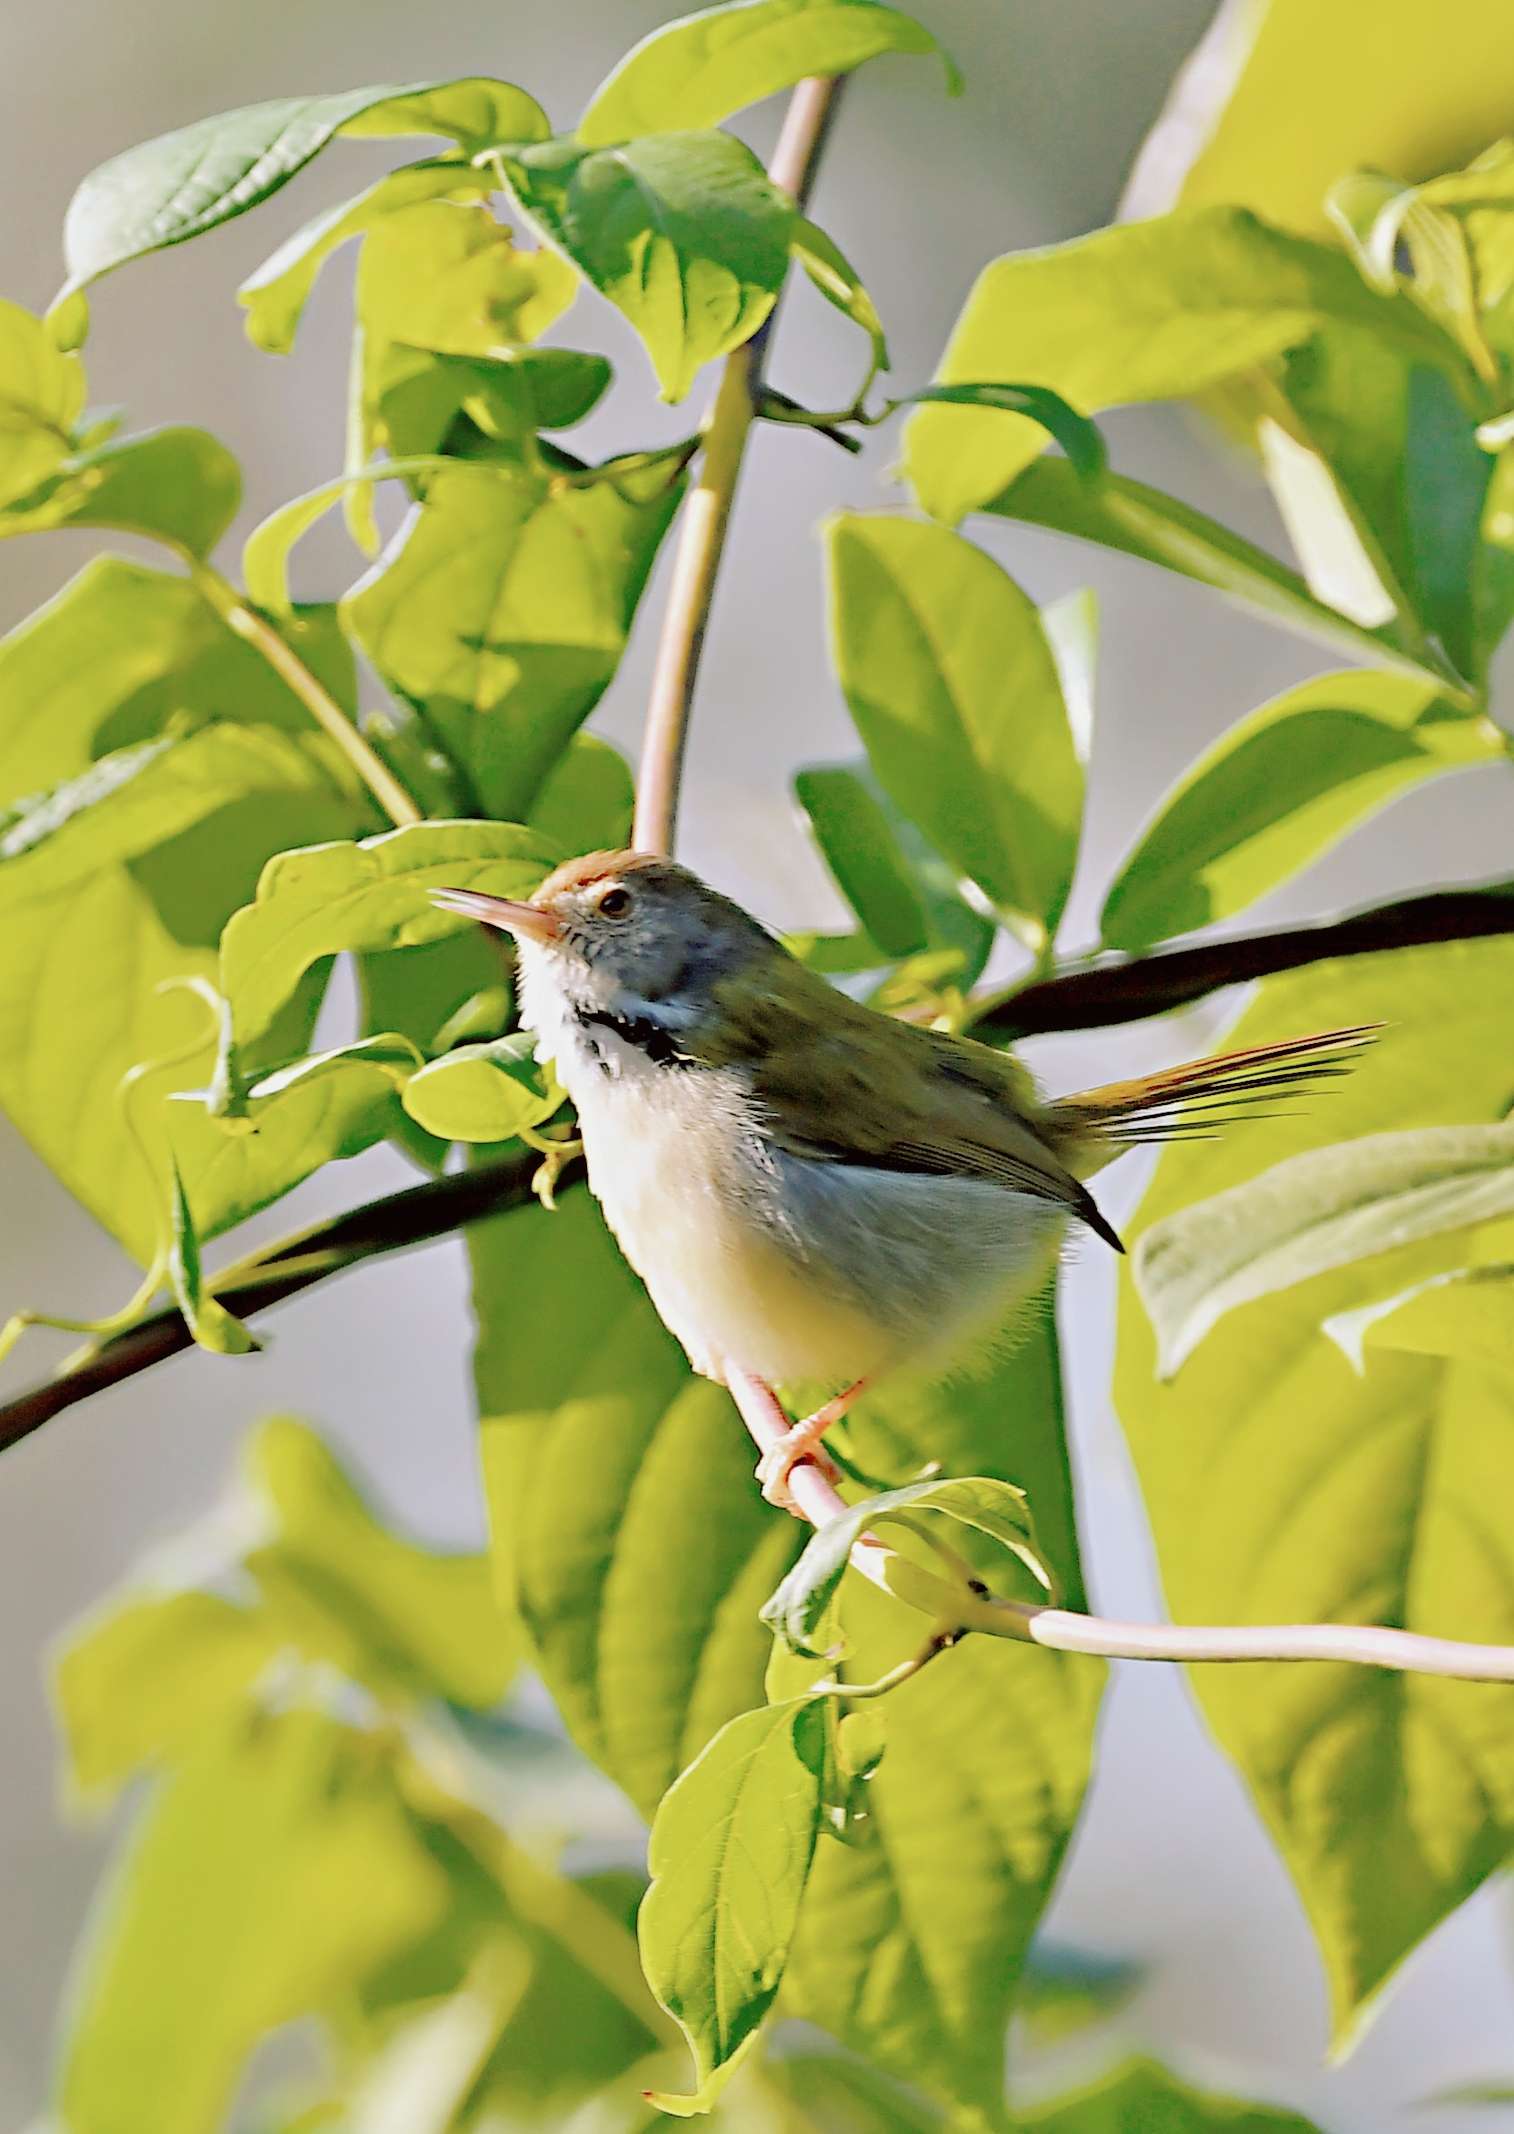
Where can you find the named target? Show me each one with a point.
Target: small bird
(810, 1189)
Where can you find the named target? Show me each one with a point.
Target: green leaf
(729, 1858)
(101, 671)
(418, 991)
(1454, 234)
(588, 1447)
(363, 897)
(147, 1681)
(1312, 1214)
(41, 399)
(1138, 521)
(1079, 438)
(698, 70)
(1144, 311)
(488, 1092)
(265, 559)
(876, 852)
(1379, 423)
(186, 182)
(1139, 2097)
(1467, 1314)
(1446, 477)
(446, 276)
(503, 606)
(441, 279)
(586, 799)
(176, 485)
(836, 279)
(275, 294)
(683, 232)
(123, 648)
(1278, 790)
(79, 850)
(321, 1108)
(985, 1504)
(909, 1949)
(484, 406)
(1342, 558)
(830, 2090)
(212, 1326)
(1284, 1488)
(271, 1870)
(871, 873)
(140, 797)
(405, 1619)
(1239, 134)
(392, 1054)
(1394, 527)
(955, 693)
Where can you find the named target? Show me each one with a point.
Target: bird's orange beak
(528, 920)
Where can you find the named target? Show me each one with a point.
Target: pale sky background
(1171, 1866)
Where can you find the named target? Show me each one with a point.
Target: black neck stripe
(643, 1031)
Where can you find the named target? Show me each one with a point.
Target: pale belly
(791, 1269)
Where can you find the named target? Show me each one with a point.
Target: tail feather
(1195, 1101)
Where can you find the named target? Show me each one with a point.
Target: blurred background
(1170, 1868)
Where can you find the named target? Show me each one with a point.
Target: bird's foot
(801, 1441)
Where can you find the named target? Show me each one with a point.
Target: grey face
(653, 935)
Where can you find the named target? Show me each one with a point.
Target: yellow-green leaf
(639, 1592)
(175, 485)
(349, 1589)
(270, 1873)
(275, 294)
(1279, 789)
(41, 399)
(362, 897)
(186, 182)
(1311, 1214)
(1144, 311)
(1282, 1487)
(955, 692)
(1139, 2098)
(502, 607)
(486, 1092)
(1465, 1314)
(683, 232)
(698, 70)
(729, 1857)
(144, 1682)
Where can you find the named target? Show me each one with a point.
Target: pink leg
(801, 1441)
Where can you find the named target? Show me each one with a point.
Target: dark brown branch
(417, 1216)
(1126, 989)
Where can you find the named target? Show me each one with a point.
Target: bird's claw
(798, 1443)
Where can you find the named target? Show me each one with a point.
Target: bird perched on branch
(812, 1190)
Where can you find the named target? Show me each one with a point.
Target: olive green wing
(840, 1083)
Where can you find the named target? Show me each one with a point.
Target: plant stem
(1065, 1630)
(245, 622)
(707, 511)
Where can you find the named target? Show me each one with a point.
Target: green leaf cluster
(197, 821)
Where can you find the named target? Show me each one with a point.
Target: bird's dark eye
(615, 903)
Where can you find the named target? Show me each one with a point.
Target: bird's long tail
(1195, 1102)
